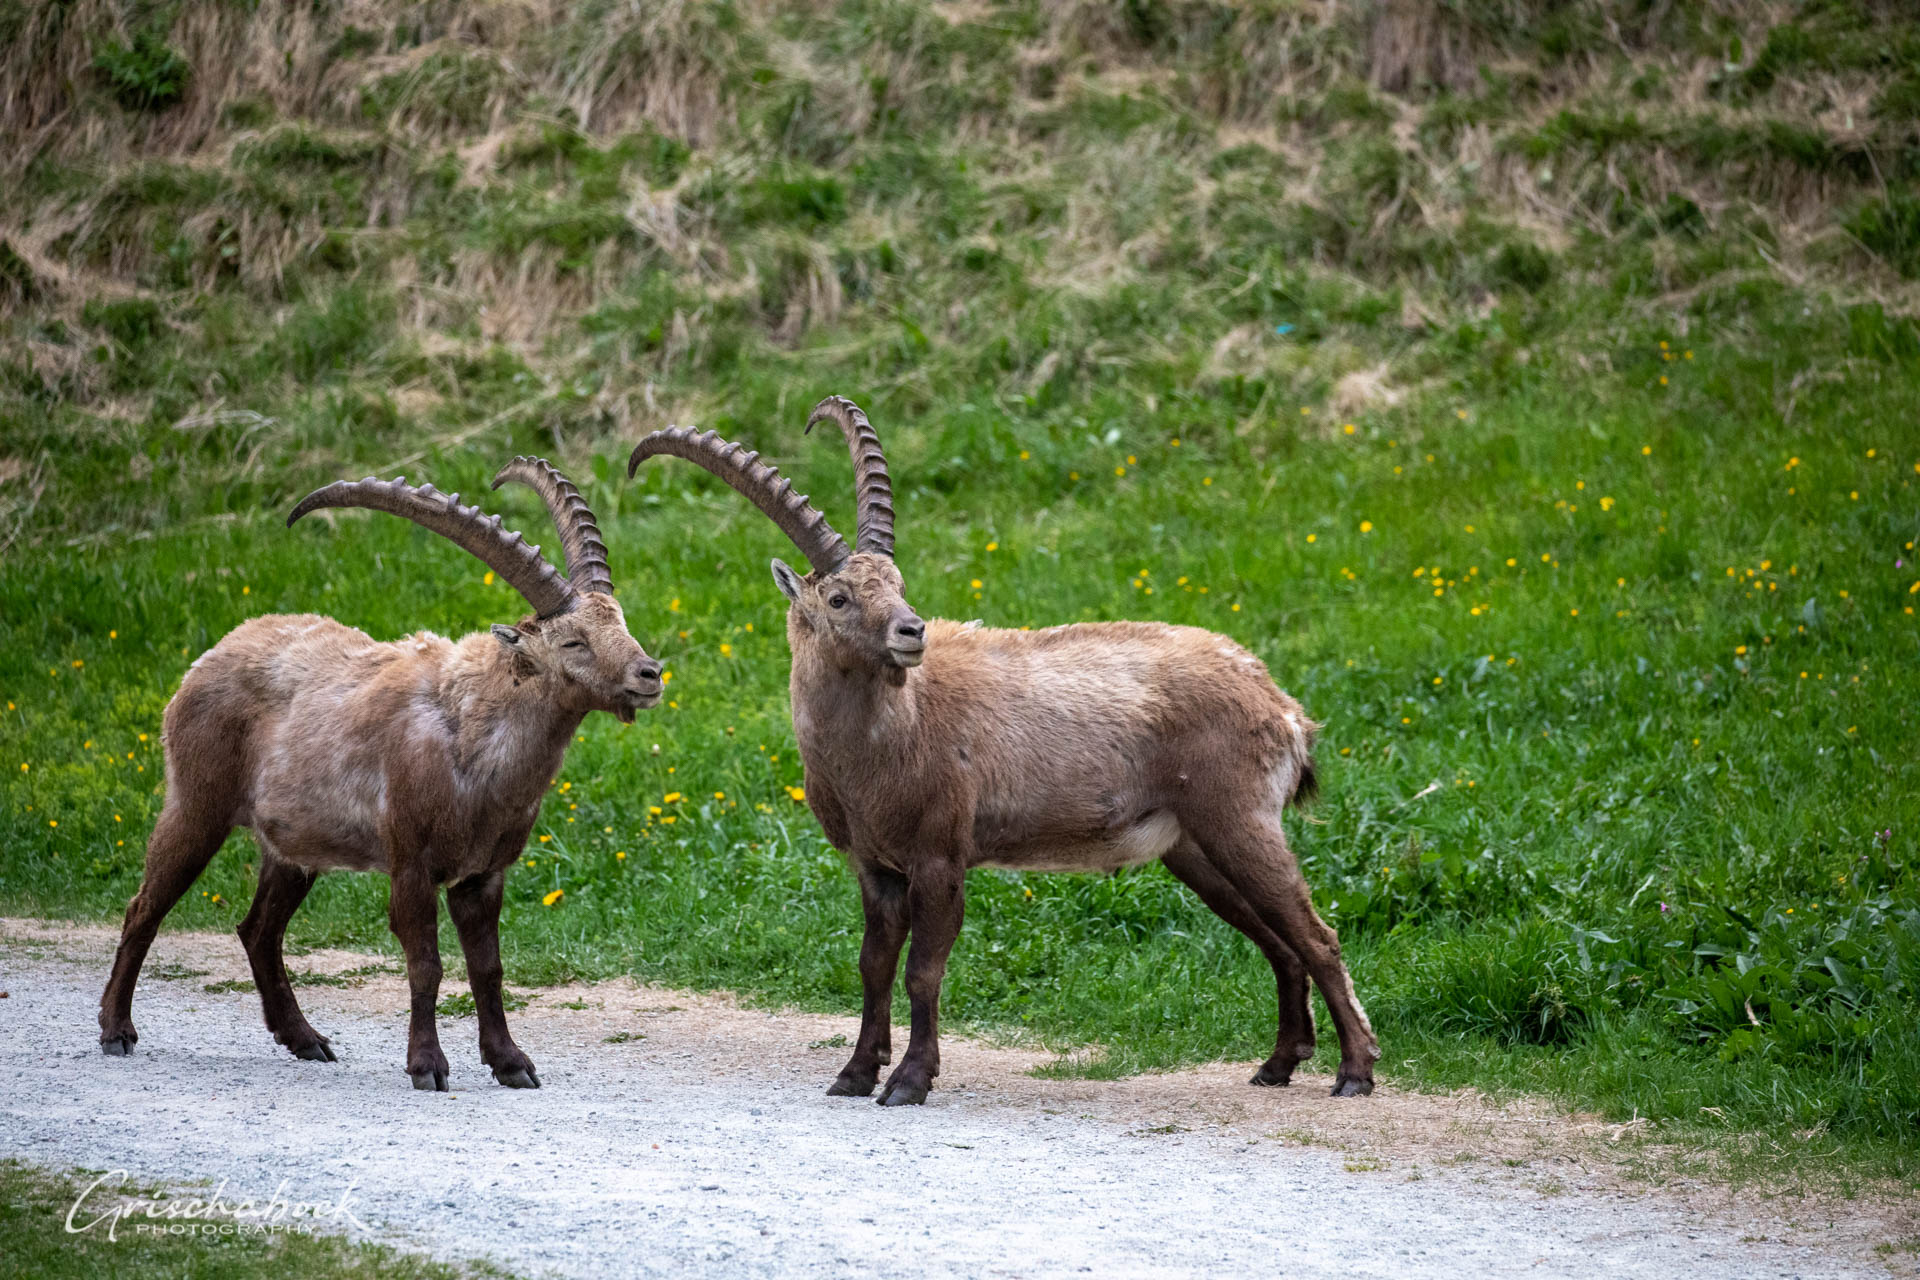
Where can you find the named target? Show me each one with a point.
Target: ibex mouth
(907, 657)
(640, 702)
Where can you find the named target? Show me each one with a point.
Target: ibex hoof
(318, 1049)
(117, 1046)
(903, 1094)
(846, 1086)
(1273, 1075)
(517, 1078)
(435, 1080)
(1351, 1087)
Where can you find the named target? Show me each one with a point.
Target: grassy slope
(1619, 338)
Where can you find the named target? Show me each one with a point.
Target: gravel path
(704, 1143)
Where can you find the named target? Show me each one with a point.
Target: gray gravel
(630, 1164)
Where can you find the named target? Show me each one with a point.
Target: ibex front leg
(474, 904)
(413, 911)
(936, 903)
(883, 898)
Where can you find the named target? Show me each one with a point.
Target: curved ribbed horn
(579, 535)
(872, 488)
(506, 553)
(761, 484)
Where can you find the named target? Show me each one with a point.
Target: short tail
(1307, 790)
(1306, 787)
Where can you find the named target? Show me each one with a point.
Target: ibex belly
(1129, 845)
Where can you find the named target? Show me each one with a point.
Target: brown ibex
(423, 758)
(933, 747)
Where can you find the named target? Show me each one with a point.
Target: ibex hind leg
(1255, 858)
(283, 887)
(1293, 1036)
(183, 843)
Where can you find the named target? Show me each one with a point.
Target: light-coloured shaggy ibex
(934, 747)
(423, 758)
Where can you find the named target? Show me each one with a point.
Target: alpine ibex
(934, 747)
(423, 758)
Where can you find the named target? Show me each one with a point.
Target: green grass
(34, 1215)
(1659, 828)
(1587, 828)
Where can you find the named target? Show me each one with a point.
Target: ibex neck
(511, 729)
(850, 716)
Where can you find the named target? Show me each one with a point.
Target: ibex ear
(789, 582)
(514, 641)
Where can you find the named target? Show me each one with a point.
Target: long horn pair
(872, 487)
(766, 488)
(502, 550)
(579, 535)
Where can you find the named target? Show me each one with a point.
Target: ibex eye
(574, 644)
(838, 602)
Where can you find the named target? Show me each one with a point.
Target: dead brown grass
(472, 81)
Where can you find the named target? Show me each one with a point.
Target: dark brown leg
(413, 914)
(283, 887)
(474, 904)
(883, 899)
(936, 904)
(1254, 857)
(1293, 1040)
(182, 845)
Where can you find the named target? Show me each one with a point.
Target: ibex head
(857, 616)
(852, 606)
(576, 639)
